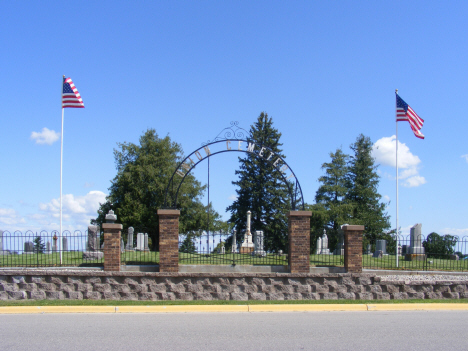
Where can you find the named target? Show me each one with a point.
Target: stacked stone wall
(78, 285)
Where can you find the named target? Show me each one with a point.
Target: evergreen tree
(363, 182)
(39, 246)
(330, 210)
(262, 190)
(188, 245)
(139, 188)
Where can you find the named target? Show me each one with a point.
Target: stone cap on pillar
(168, 212)
(352, 227)
(300, 214)
(112, 226)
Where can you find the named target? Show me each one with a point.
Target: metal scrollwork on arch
(234, 139)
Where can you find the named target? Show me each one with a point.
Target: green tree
(438, 246)
(330, 210)
(188, 246)
(261, 189)
(139, 188)
(363, 182)
(39, 246)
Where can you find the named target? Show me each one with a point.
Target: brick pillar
(112, 246)
(168, 240)
(353, 248)
(299, 241)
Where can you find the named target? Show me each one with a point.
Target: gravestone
(322, 244)
(234, 242)
(378, 254)
(140, 242)
(122, 245)
(247, 246)
(415, 240)
(318, 250)
(2, 250)
(381, 245)
(258, 241)
(129, 246)
(64, 244)
(48, 247)
(92, 252)
(28, 247)
(454, 257)
(415, 250)
(146, 248)
(404, 249)
(92, 238)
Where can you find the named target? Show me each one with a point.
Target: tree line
(347, 192)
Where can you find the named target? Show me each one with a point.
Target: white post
(396, 148)
(61, 163)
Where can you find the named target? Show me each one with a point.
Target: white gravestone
(234, 242)
(140, 242)
(415, 240)
(247, 246)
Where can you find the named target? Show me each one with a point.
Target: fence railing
(217, 249)
(43, 249)
(431, 253)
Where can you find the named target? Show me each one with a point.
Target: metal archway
(235, 134)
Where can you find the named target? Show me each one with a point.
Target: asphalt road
(432, 330)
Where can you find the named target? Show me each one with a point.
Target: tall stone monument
(92, 250)
(234, 242)
(416, 250)
(129, 246)
(247, 246)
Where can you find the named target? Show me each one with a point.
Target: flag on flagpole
(405, 113)
(70, 95)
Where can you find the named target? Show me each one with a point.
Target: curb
(235, 308)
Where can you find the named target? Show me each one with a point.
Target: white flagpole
(61, 164)
(396, 148)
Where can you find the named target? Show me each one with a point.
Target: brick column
(353, 248)
(112, 246)
(168, 240)
(299, 241)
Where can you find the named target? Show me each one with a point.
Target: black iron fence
(432, 253)
(49, 249)
(138, 247)
(219, 249)
(321, 257)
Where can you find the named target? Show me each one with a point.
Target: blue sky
(325, 72)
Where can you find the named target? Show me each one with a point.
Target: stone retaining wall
(77, 285)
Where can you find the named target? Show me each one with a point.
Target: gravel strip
(423, 277)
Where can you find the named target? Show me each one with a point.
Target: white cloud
(454, 231)
(232, 197)
(10, 217)
(76, 209)
(414, 181)
(465, 157)
(46, 136)
(384, 152)
(386, 198)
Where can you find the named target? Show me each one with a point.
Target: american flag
(70, 95)
(405, 113)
